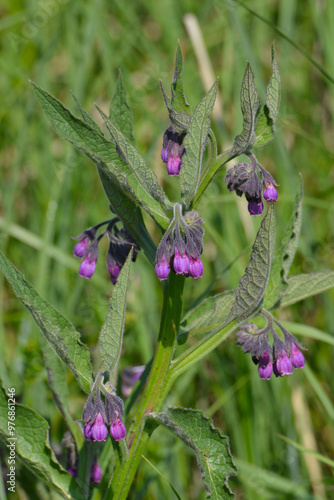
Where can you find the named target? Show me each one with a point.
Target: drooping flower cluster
(244, 178)
(172, 150)
(279, 358)
(120, 244)
(181, 246)
(98, 415)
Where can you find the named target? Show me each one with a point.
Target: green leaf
(194, 144)
(273, 93)
(57, 329)
(178, 99)
(284, 256)
(140, 176)
(33, 449)
(210, 445)
(57, 378)
(249, 293)
(301, 286)
(207, 316)
(250, 102)
(104, 154)
(85, 116)
(111, 335)
(178, 119)
(120, 112)
(129, 213)
(265, 126)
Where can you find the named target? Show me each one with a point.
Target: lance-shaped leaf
(57, 329)
(249, 293)
(128, 212)
(250, 102)
(178, 99)
(111, 335)
(194, 144)
(120, 112)
(207, 316)
(265, 126)
(283, 258)
(140, 176)
(85, 116)
(178, 119)
(32, 447)
(105, 156)
(210, 445)
(302, 286)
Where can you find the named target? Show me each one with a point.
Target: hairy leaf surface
(249, 293)
(265, 127)
(284, 256)
(208, 315)
(302, 286)
(111, 335)
(178, 98)
(210, 445)
(57, 329)
(106, 156)
(32, 447)
(250, 102)
(120, 112)
(194, 144)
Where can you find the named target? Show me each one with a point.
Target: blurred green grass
(50, 192)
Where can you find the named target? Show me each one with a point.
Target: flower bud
(88, 431)
(195, 267)
(270, 192)
(87, 266)
(117, 429)
(162, 268)
(173, 163)
(81, 247)
(99, 429)
(283, 364)
(255, 208)
(181, 262)
(265, 366)
(297, 357)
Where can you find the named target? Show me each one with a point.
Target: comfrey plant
(104, 447)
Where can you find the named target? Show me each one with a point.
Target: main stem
(154, 392)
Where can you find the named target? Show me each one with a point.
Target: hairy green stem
(155, 389)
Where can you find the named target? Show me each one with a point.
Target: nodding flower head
(172, 150)
(278, 358)
(181, 246)
(88, 265)
(103, 408)
(120, 244)
(244, 178)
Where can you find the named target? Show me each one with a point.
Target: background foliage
(50, 191)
